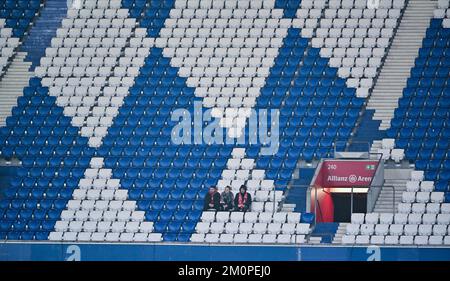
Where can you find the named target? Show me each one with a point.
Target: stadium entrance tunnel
(341, 187)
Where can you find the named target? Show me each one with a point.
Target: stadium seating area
(18, 15)
(420, 126)
(93, 128)
(420, 133)
(15, 19)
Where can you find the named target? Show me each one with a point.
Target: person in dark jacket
(243, 200)
(212, 199)
(227, 199)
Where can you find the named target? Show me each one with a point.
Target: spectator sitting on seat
(243, 200)
(212, 199)
(227, 199)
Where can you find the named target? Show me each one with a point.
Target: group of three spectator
(226, 201)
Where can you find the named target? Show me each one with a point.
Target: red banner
(340, 173)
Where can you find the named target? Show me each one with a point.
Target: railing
(377, 180)
(358, 146)
(373, 194)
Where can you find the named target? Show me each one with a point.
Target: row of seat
(244, 4)
(92, 52)
(101, 4)
(347, 4)
(203, 32)
(110, 32)
(111, 81)
(86, 198)
(11, 4)
(248, 238)
(105, 237)
(101, 23)
(91, 62)
(251, 184)
(257, 228)
(200, 13)
(232, 22)
(401, 218)
(421, 208)
(396, 154)
(421, 240)
(104, 226)
(97, 13)
(105, 42)
(100, 215)
(397, 229)
(352, 23)
(90, 71)
(343, 42)
(252, 217)
(303, 148)
(353, 13)
(424, 197)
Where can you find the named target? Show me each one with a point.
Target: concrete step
(314, 240)
(12, 84)
(337, 239)
(399, 60)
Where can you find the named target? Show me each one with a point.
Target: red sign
(338, 174)
(341, 173)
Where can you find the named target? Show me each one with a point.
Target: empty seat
(406, 240)
(372, 218)
(382, 229)
(432, 240)
(225, 238)
(198, 237)
(240, 238)
(391, 240)
(256, 238)
(348, 239)
(367, 229)
(352, 229)
(208, 216)
(269, 238)
(377, 239)
(154, 237)
(357, 218)
(212, 238)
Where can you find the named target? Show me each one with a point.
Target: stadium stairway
(12, 84)
(337, 238)
(7, 172)
(324, 231)
(366, 132)
(400, 59)
(298, 189)
(43, 30)
(394, 177)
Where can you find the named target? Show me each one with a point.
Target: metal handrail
(385, 186)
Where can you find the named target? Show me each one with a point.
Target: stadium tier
(93, 128)
(420, 133)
